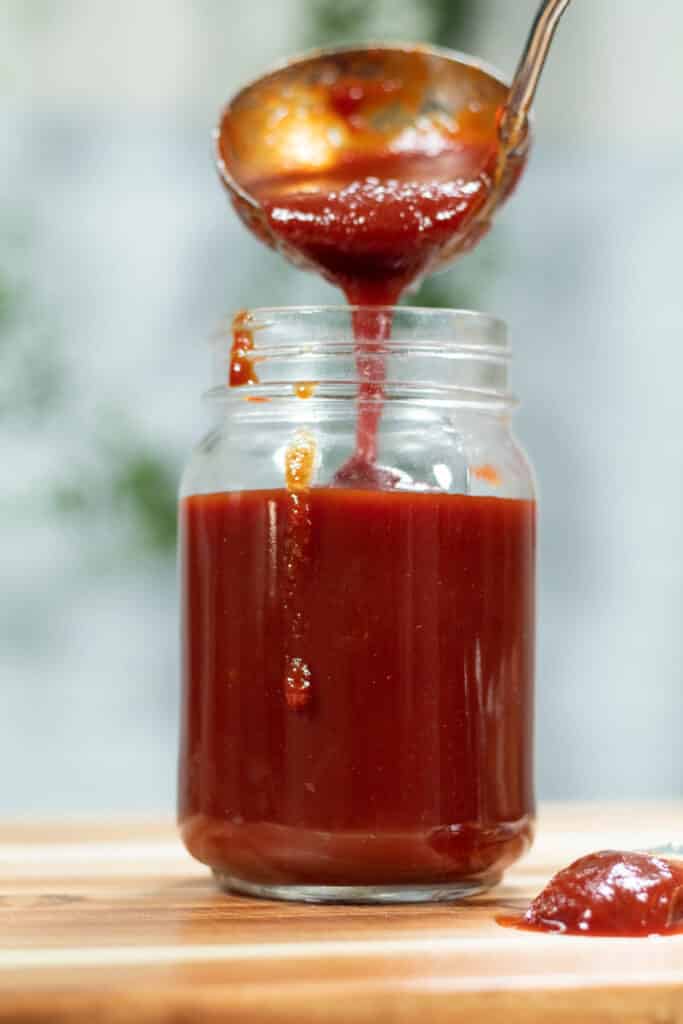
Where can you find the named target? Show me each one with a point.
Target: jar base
(358, 894)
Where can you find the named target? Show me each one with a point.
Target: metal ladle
(282, 127)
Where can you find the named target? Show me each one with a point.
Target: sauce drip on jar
(305, 388)
(299, 468)
(242, 369)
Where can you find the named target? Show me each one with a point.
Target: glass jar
(358, 648)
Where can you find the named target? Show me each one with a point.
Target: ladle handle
(529, 70)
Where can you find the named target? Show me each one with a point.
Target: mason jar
(357, 549)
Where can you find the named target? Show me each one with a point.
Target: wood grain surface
(112, 922)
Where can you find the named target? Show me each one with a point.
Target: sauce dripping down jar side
(299, 469)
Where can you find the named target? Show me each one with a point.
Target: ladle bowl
(302, 126)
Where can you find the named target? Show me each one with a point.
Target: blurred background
(119, 254)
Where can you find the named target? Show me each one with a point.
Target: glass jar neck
(400, 353)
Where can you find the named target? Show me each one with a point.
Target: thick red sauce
(375, 224)
(367, 719)
(610, 893)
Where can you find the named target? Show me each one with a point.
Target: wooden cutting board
(112, 923)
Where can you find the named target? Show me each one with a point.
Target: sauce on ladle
(371, 169)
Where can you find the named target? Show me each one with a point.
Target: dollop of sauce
(609, 893)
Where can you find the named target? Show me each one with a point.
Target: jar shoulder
(448, 454)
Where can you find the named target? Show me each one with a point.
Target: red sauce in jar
(374, 727)
(610, 893)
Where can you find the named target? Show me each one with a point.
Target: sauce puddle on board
(609, 894)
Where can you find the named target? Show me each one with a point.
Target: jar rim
(447, 326)
(439, 354)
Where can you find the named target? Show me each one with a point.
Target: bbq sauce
(609, 893)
